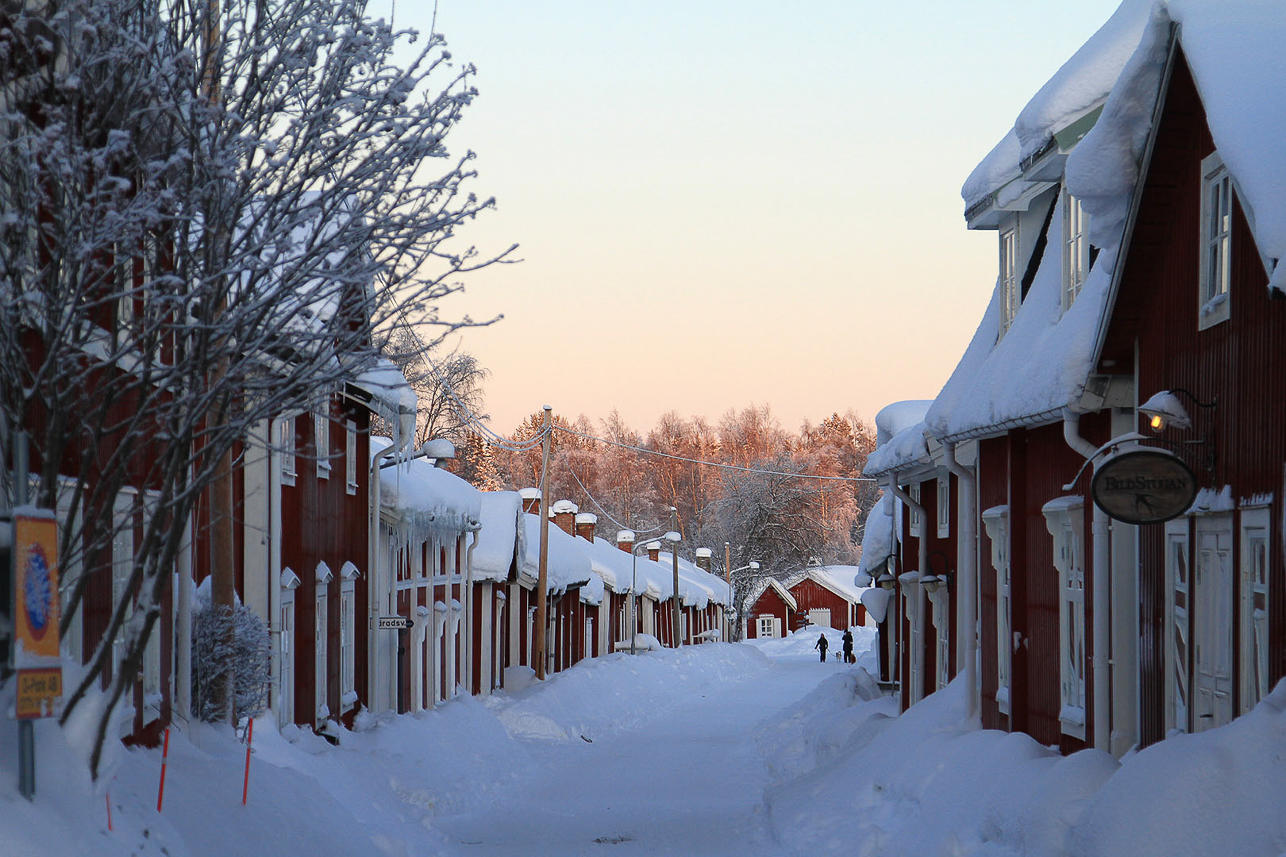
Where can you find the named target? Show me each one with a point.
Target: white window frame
(1065, 520)
(1215, 272)
(321, 443)
(916, 525)
(321, 626)
(1076, 248)
(910, 589)
(350, 456)
(286, 443)
(996, 523)
(944, 506)
(122, 564)
(767, 627)
(940, 605)
(1178, 633)
(347, 636)
(1255, 561)
(286, 648)
(1010, 297)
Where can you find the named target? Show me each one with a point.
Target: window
(944, 506)
(1177, 648)
(286, 446)
(996, 522)
(347, 626)
(940, 607)
(917, 522)
(1216, 241)
(350, 456)
(1065, 520)
(320, 625)
(768, 626)
(321, 438)
(1254, 607)
(1009, 296)
(1076, 249)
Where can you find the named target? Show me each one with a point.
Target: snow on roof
(591, 592)
(497, 540)
(610, 563)
(697, 587)
(838, 579)
(1234, 51)
(1077, 88)
(905, 448)
(390, 393)
(1042, 363)
(1082, 82)
(897, 417)
(877, 535)
(568, 564)
(433, 501)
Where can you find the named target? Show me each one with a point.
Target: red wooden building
(1130, 286)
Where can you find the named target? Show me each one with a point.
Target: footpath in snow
(747, 749)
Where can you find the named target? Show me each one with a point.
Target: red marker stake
(245, 787)
(108, 795)
(165, 754)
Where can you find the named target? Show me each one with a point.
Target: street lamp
(674, 539)
(752, 565)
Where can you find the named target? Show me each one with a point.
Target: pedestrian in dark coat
(821, 644)
(848, 647)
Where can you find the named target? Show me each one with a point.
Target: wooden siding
(769, 603)
(811, 595)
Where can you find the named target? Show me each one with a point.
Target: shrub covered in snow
(229, 642)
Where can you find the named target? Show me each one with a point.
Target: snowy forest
(782, 499)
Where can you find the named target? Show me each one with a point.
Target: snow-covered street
(687, 780)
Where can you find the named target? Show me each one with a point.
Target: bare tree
(447, 385)
(212, 214)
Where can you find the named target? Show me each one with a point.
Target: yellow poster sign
(38, 691)
(35, 585)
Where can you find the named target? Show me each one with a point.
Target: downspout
(1100, 594)
(474, 527)
(968, 573)
(922, 558)
(375, 587)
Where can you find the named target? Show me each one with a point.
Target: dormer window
(1076, 249)
(1009, 296)
(1216, 242)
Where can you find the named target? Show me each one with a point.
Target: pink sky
(739, 204)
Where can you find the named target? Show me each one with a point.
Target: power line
(602, 509)
(647, 451)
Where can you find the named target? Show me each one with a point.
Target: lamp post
(750, 565)
(674, 540)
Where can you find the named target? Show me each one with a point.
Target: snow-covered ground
(753, 748)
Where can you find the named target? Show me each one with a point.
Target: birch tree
(213, 213)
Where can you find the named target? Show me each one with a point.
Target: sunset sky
(723, 203)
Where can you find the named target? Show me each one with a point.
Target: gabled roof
(837, 579)
(776, 586)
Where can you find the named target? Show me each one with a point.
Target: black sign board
(1146, 486)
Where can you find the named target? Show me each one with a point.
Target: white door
(319, 650)
(1212, 632)
(820, 616)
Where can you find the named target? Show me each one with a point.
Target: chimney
(625, 540)
(564, 514)
(703, 559)
(654, 551)
(585, 523)
(530, 500)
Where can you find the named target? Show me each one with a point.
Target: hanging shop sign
(1146, 486)
(35, 599)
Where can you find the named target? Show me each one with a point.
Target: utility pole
(542, 581)
(674, 554)
(727, 577)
